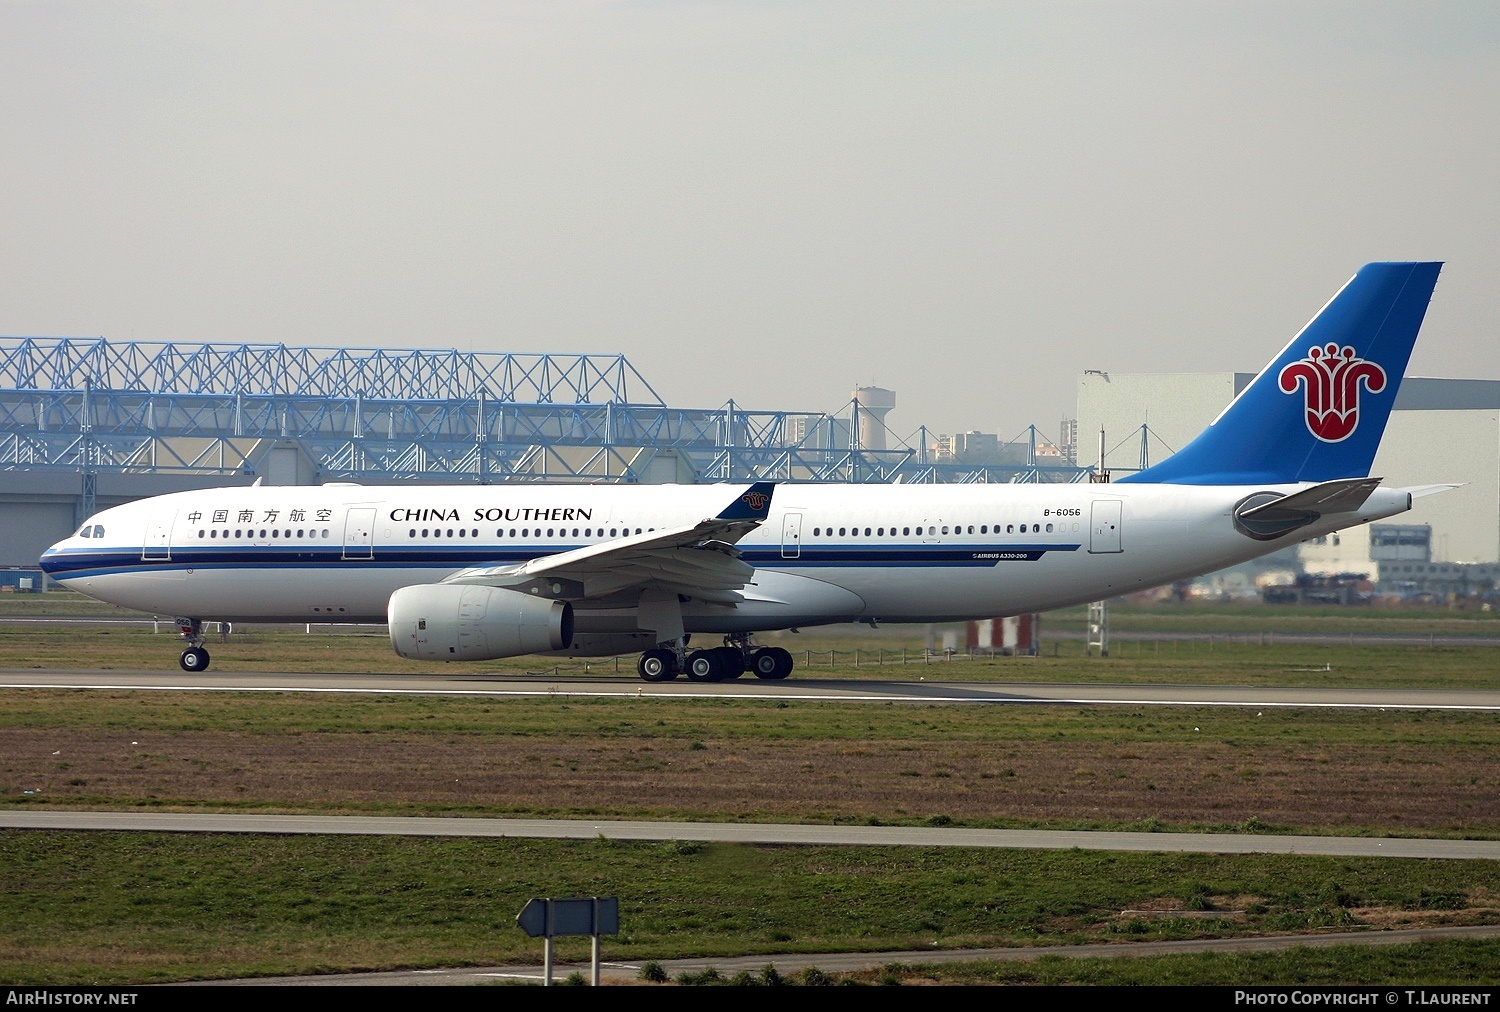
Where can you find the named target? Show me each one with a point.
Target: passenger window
(906, 530)
(945, 528)
(1049, 528)
(880, 532)
(1010, 528)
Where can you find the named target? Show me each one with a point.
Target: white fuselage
(826, 553)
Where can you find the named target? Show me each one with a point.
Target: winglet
(752, 504)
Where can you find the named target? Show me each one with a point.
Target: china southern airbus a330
(471, 573)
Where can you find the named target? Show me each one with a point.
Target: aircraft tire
(657, 665)
(194, 659)
(705, 666)
(734, 662)
(772, 663)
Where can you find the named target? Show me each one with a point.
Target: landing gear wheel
(705, 666)
(734, 661)
(771, 663)
(194, 659)
(657, 665)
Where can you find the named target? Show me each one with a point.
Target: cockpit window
(98, 530)
(86, 532)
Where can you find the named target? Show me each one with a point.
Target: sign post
(548, 918)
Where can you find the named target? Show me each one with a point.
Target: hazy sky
(968, 202)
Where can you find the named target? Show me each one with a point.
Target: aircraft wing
(699, 560)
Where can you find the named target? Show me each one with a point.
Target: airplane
(476, 573)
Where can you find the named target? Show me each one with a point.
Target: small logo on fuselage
(1331, 379)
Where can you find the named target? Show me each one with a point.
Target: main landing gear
(194, 658)
(717, 664)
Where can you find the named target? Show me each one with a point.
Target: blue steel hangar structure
(419, 415)
(88, 422)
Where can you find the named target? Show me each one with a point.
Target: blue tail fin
(1317, 412)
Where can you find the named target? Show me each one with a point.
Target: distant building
(1067, 440)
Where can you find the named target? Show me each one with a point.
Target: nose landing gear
(194, 658)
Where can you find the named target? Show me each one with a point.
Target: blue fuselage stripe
(73, 564)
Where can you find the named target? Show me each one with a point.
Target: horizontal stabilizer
(1342, 496)
(1418, 491)
(1266, 515)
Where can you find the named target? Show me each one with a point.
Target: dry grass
(1315, 771)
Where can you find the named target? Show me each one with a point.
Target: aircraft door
(791, 536)
(359, 530)
(1104, 527)
(158, 543)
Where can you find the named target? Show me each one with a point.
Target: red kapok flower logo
(755, 500)
(1331, 379)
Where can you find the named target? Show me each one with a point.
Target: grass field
(1312, 771)
(1435, 962)
(129, 907)
(1243, 659)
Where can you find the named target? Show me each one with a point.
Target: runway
(912, 690)
(758, 833)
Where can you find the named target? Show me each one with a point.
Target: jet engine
(457, 622)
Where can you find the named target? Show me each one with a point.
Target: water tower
(874, 404)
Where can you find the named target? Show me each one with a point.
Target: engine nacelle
(457, 622)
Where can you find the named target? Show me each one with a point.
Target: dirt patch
(1416, 788)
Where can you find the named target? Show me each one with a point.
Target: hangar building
(87, 423)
